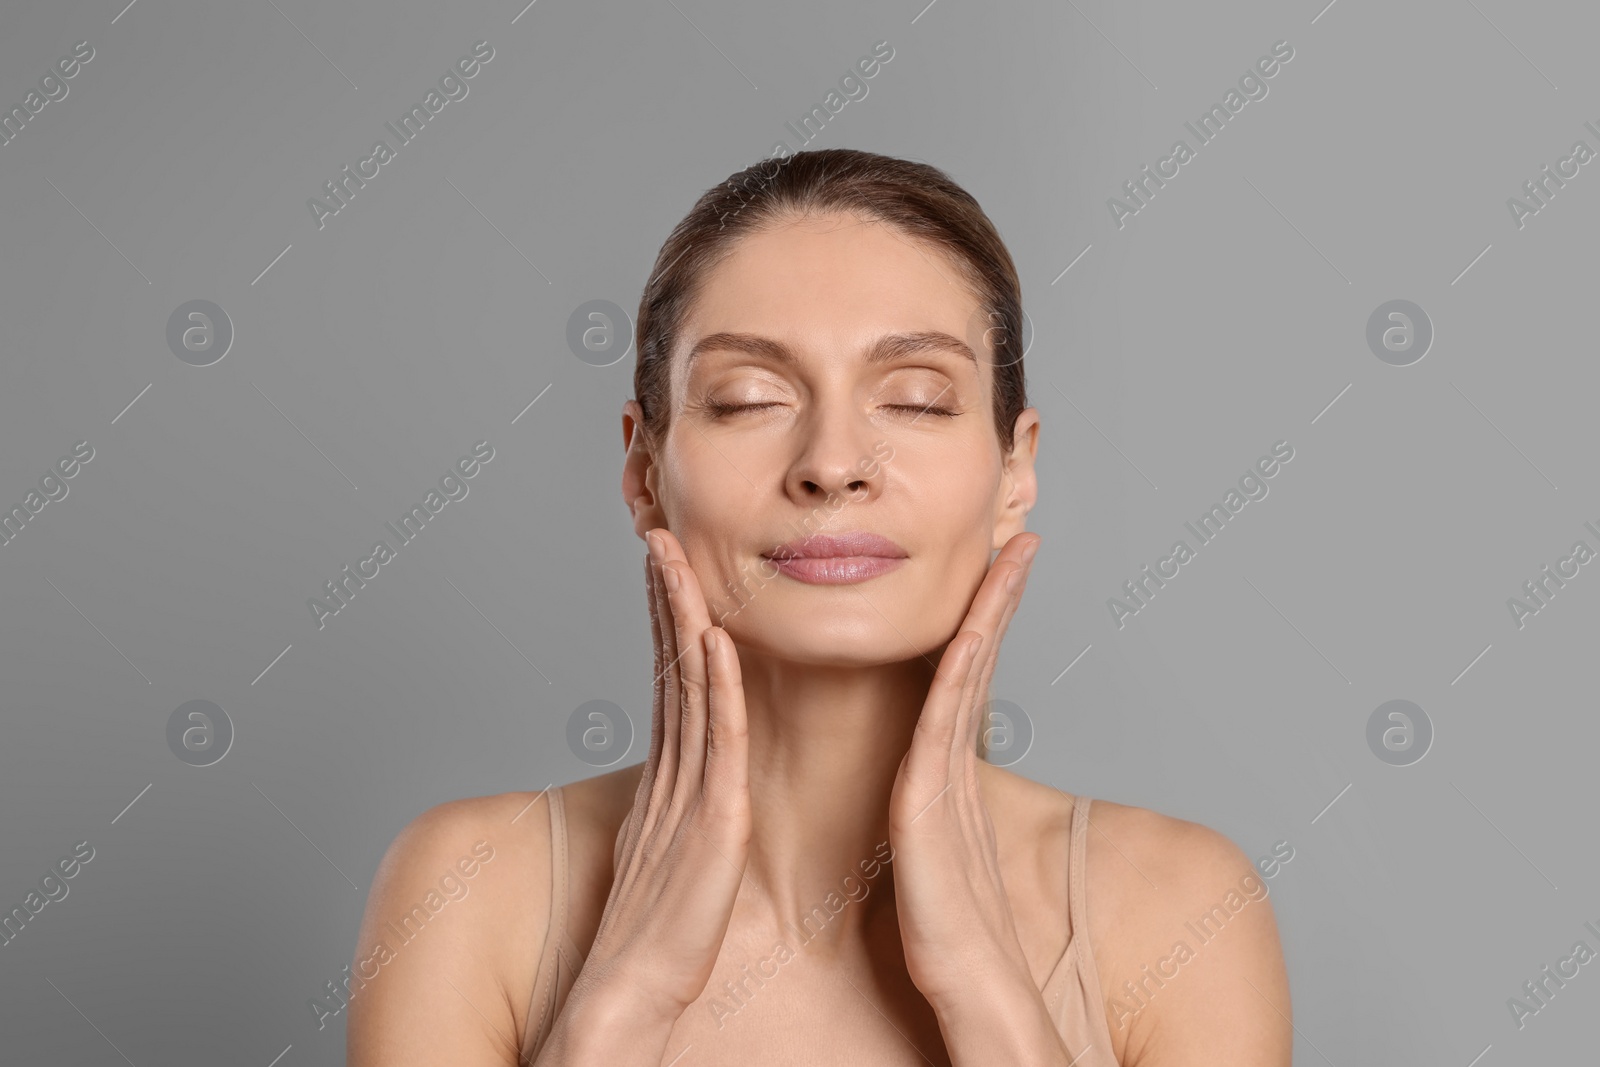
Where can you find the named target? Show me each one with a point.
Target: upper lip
(825, 546)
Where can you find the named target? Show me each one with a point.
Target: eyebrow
(885, 349)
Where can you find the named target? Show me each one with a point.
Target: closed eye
(717, 409)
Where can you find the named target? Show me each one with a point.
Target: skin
(829, 722)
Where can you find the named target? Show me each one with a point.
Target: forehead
(833, 284)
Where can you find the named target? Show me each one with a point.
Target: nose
(835, 458)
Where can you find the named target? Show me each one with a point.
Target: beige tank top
(1071, 993)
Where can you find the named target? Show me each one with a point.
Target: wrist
(999, 993)
(611, 1016)
(1001, 1022)
(615, 1003)
(983, 978)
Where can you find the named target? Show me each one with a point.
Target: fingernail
(670, 576)
(650, 539)
(1028, 553)
(711, 642)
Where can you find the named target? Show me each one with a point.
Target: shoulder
(460, 899)
(595, 810)
(488, 842)
(1164, 895)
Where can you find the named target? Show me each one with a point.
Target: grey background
(1229, 314)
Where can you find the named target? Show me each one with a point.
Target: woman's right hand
(681, 852)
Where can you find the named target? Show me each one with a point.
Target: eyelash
(718, 410)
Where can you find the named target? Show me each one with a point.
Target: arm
(677, 863)
(439, 997)
(459, 906)
(1223, 997)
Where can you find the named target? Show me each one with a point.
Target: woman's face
(853, 434)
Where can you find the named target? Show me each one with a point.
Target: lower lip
(836, 570)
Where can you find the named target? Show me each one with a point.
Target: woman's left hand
(955, 920)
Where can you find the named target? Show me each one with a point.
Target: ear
(638, 473)
(1019, 484)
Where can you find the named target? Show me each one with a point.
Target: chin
(826, 637)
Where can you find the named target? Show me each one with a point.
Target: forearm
(1001, 1023)
(605, 1024)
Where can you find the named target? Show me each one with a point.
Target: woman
(829, 439)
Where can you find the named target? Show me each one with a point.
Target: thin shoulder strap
(1079, 895)
(1077, 903)
(542, 1005)
(559, 881)
(1055, 984)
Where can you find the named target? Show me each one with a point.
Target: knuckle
(694, 692)
(723, 736)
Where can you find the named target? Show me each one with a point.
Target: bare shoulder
(1185, 942)
(596, 808)
(455, 921)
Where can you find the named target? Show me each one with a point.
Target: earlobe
(1020, 485)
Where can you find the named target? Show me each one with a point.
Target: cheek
(951, 489)
(707, 507)
(710, 513)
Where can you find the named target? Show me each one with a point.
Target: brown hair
(916, 199)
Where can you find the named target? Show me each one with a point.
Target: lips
(837, 559)
(832, 546)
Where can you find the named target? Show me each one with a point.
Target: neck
(825, 746)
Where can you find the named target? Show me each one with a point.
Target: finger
(640, 813)
(656, 738)
(727, 774)
(666, 682)
(964, 753)
(692, 620)
(933, 737)
(990, 603)
(1012, 601)
(991, 609)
